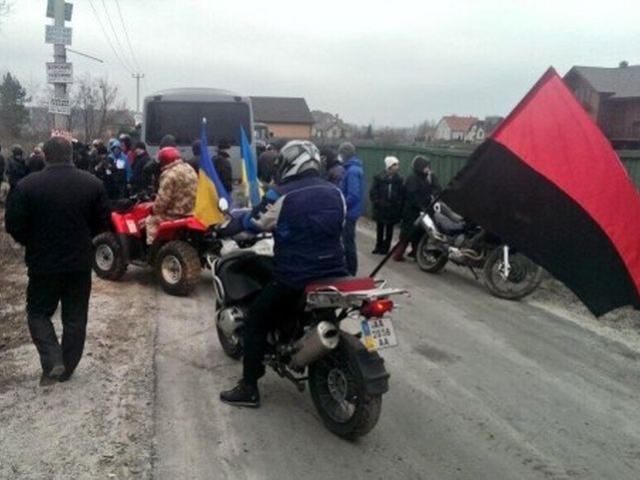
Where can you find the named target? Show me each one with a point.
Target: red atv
(177, 255)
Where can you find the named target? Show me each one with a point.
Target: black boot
(52, 376)
(242, 395)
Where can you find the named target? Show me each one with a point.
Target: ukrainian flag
(250, 180)
(210, 188)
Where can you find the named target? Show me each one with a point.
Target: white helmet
(295, 157)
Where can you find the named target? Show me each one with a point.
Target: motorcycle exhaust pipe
(314, 344)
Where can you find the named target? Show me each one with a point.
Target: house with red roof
(453, 127)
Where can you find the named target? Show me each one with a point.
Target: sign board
(68, 10)
(59, 72)
(60, 106)
(57, 35)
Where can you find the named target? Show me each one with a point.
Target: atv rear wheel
(177, 266)
(108, 257)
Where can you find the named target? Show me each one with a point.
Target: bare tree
(95, 100)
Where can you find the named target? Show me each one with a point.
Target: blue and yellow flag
(249, 171)
(210, 188)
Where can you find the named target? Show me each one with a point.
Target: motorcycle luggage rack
(331, 297)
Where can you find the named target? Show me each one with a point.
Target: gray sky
(390, 63)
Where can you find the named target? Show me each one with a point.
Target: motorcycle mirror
(223, 205)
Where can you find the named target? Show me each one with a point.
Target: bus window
(183, 120)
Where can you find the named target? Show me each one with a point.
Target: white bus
(179, 112)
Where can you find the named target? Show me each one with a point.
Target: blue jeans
(349, 240)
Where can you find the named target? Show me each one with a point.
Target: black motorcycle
(448, 237)
(346, 376)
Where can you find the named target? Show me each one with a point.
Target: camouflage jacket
(177, 190)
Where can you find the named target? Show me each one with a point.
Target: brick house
(611, 96)
(285, 117)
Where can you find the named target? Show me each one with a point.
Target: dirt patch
(100, 423)
(13, 284)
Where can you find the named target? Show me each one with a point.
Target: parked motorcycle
(448, 237)
(345, 374)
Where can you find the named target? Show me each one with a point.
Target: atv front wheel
(178, 268)
(108, 258)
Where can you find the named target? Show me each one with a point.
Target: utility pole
(138, 77)
(60, 73)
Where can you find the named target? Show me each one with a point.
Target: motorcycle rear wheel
(429, 258)
(338, 392)
(524, 278)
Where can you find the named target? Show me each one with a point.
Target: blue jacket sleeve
(353, 194)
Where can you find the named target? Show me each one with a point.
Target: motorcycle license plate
(378, 333)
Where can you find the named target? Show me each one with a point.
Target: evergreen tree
(13, 113)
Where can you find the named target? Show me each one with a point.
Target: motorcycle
(177, 255)
(342, 367)
(448, 237)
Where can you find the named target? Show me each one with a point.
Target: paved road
(480, 389)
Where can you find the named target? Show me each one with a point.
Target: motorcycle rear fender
(370, 364)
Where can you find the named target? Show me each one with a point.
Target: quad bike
(448, 237)
(177, 255)
(342, 367)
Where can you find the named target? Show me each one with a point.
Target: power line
(115, 34)
(126, 34)
(104, 31)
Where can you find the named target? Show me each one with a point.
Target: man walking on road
(55, 213)
(352, 187)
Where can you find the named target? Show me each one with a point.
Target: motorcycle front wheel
(338, 392)
(429, 257)
(524, 277)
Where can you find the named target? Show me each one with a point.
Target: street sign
(57, 35)
(59, 72)
(60, 106)
(68, 10)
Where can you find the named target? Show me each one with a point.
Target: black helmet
(295, 157)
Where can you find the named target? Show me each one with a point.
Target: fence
(448, 161)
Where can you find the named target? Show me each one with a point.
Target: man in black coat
(386, 199)
(420, 189)
(139, 181)
(55, 213)
(222, 164)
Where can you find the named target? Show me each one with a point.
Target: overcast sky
(387, 62)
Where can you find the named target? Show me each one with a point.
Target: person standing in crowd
(222, 163)
(266, 162)
(333, 166)
(127, 147)
(122, 168)
(80, 155)
(104, 169)
(55, 214)
(352, 188)
(177, 192)
(17, 168)
(386, 198)
(35, 162)
(419, 190)
(196, 150)
(139, 182)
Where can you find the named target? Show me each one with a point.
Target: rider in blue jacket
(306, 215)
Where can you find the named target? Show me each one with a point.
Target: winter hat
(390, 162)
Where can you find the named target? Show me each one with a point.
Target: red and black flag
(549, 184)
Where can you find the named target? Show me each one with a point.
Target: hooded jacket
(352, 187)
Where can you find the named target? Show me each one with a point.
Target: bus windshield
(183, 120)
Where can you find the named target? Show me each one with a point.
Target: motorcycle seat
(447, 225)
(342, 284)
